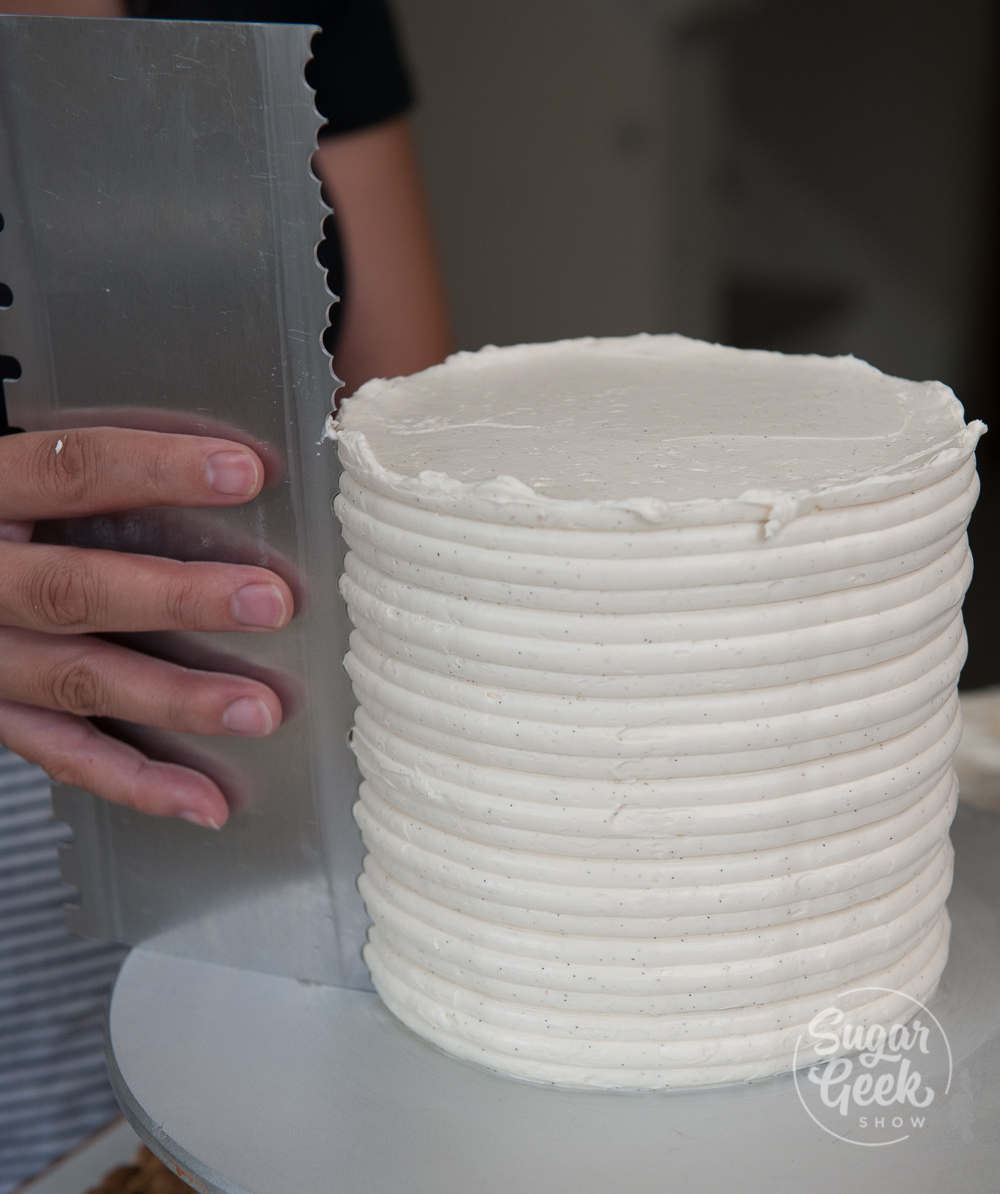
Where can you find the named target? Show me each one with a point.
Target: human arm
(395, 319)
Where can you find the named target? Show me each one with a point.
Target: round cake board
(253, 1084)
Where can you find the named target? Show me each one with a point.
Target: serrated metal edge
(23, 325)
(88, 909)
(327, 296)
(304, 291)
(351, 929)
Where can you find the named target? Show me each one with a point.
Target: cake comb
(159, 250)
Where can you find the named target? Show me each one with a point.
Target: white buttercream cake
(655, 648)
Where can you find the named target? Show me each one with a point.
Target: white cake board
(244, 1082)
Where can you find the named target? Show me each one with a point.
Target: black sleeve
(357, 70)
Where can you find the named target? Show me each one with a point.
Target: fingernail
(202, 819)
(250, 716)
(232, 473)
(259, 605)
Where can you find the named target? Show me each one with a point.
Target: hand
(54, 674)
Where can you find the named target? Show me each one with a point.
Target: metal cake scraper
(160, 221)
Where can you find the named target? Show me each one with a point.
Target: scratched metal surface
(160, 226)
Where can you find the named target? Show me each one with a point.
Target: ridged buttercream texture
(655, 647)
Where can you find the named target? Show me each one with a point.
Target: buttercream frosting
(650, 429)
(655, 647)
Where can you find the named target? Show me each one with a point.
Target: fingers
(94, 470)
(68, 590)
(156, 418)
(75, 752)
(16, 532)
(91, 678)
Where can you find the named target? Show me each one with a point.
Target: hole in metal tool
(10, 370)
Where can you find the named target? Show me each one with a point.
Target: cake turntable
(243, 1040)
(254, 1084)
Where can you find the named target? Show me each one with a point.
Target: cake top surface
(654, 424)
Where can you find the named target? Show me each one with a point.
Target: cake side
(641, 798)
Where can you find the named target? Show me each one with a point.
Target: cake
(655, 651)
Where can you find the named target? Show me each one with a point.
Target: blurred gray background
(812, 177)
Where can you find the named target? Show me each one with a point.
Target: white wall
(608, 166)
(545, 139)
